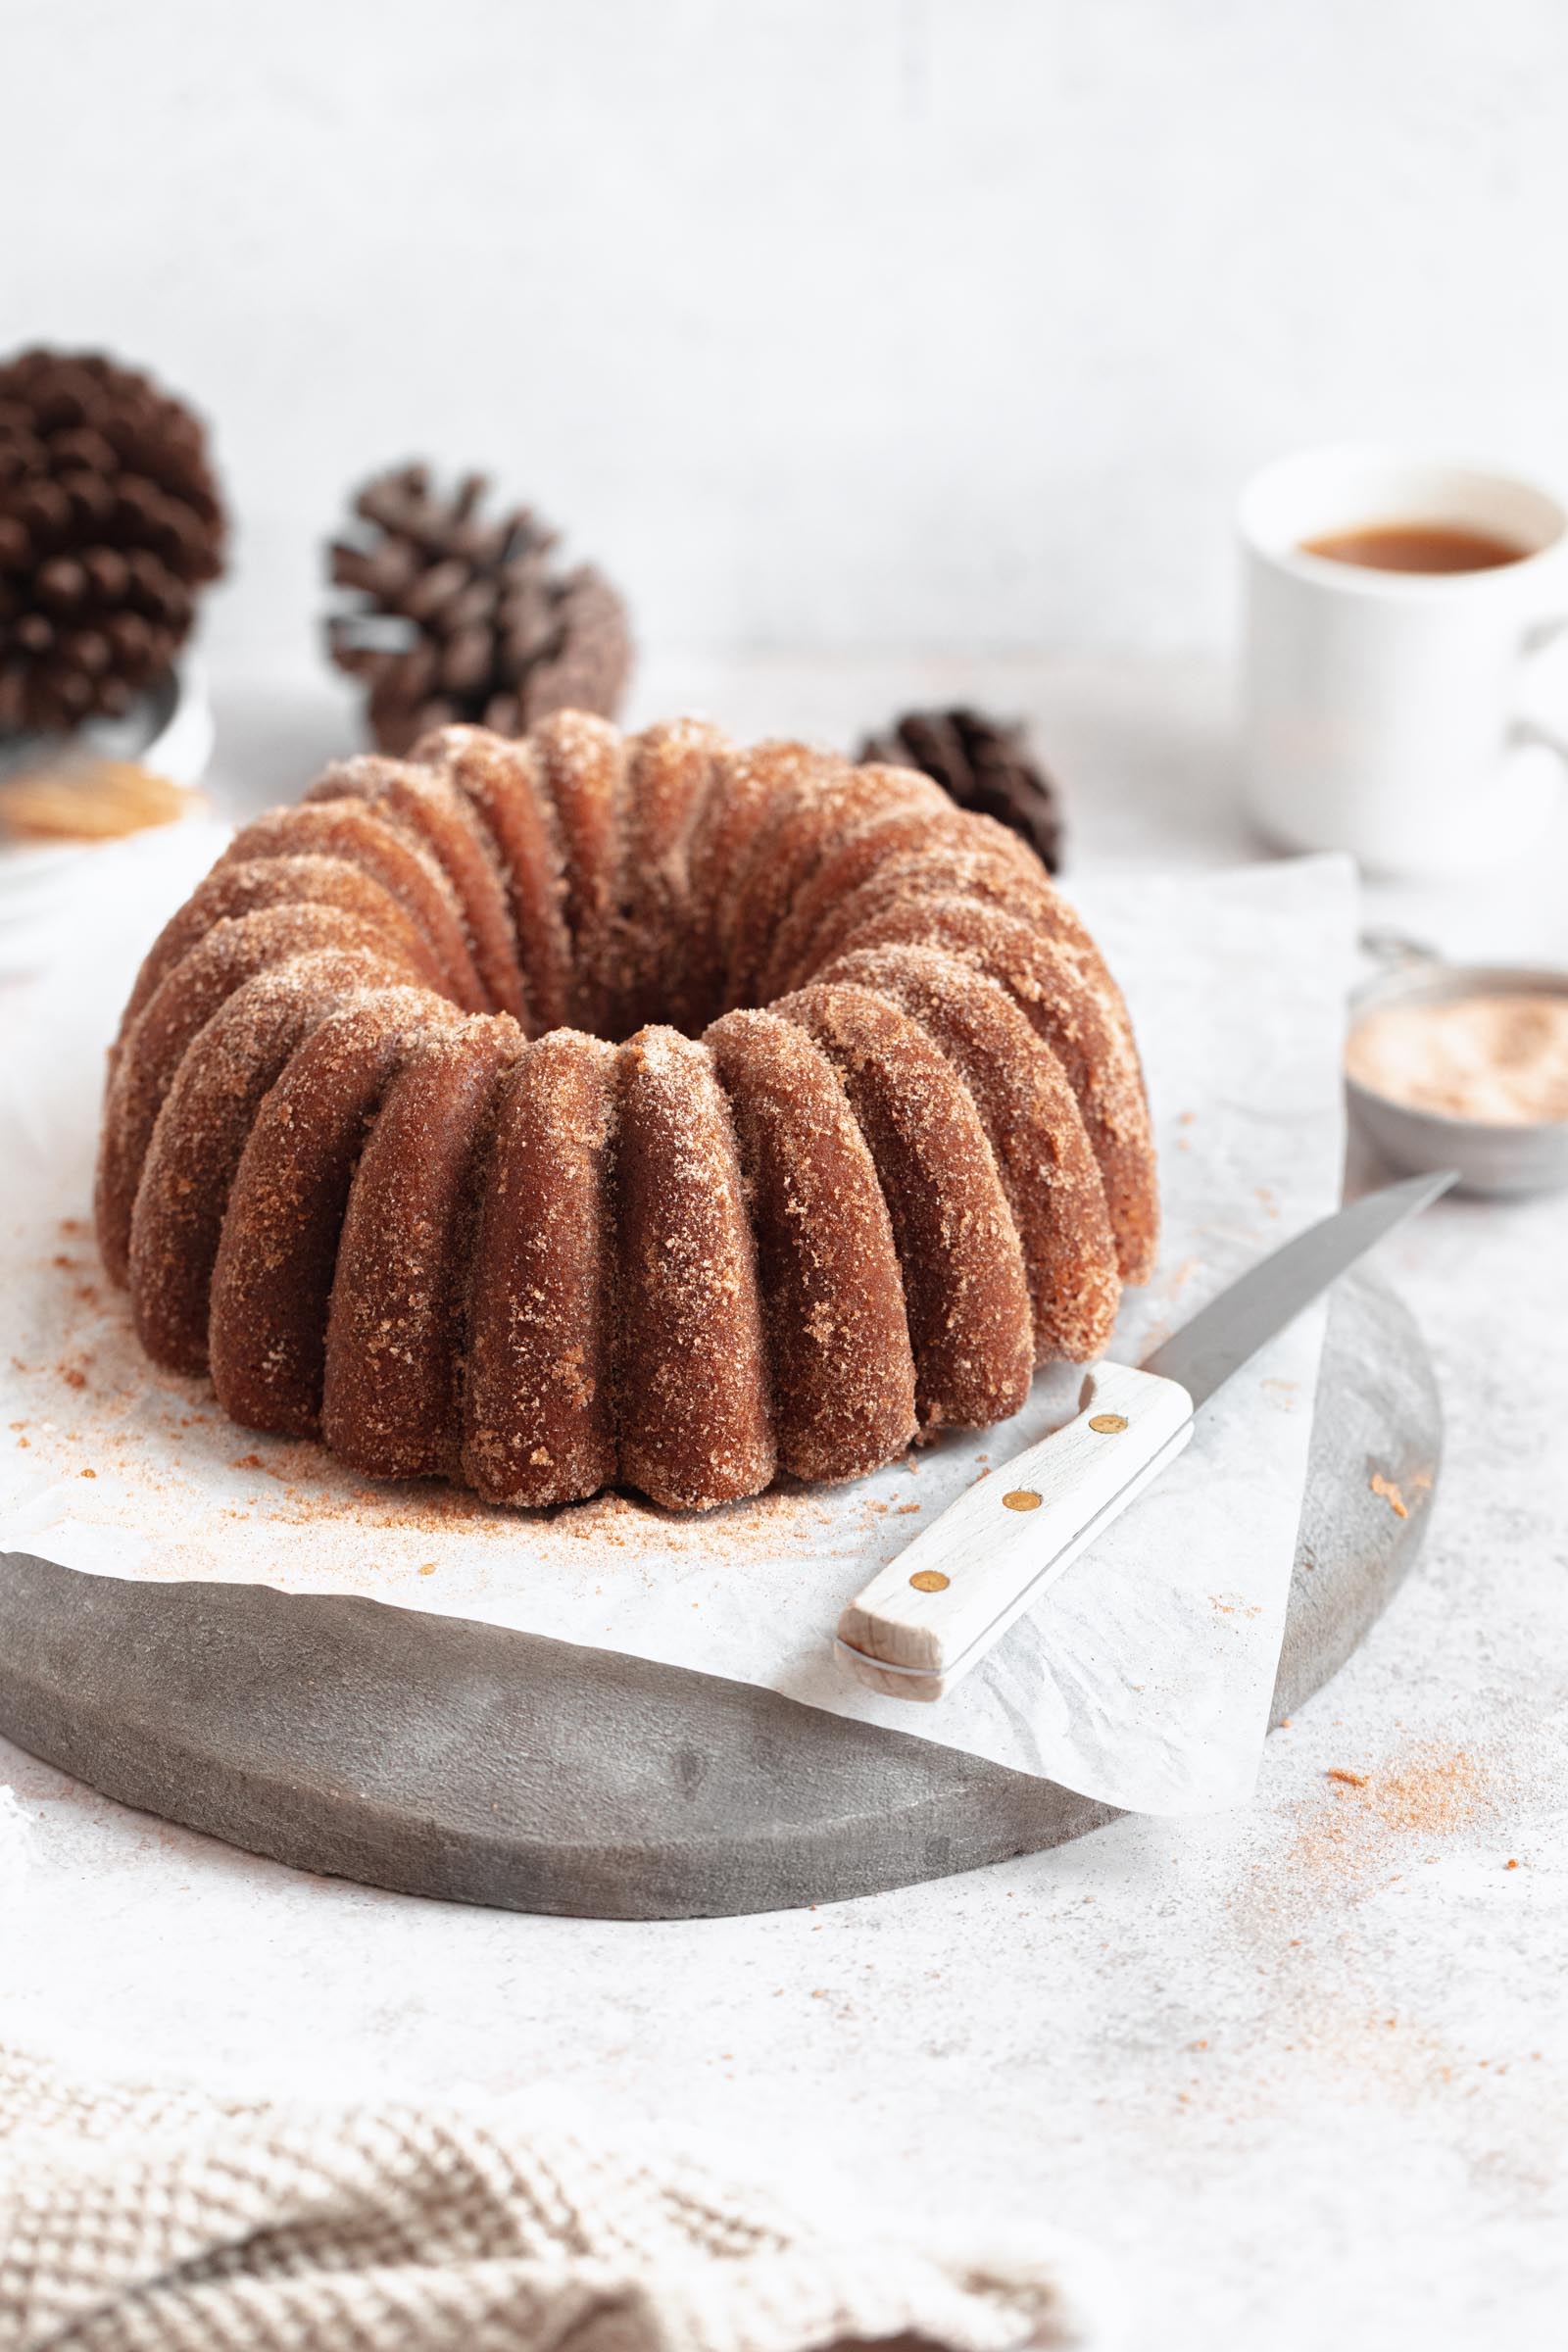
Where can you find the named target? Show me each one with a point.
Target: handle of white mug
(1395, 952)
(1530, 730)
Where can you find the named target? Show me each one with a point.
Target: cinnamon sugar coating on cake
(391, 1402)
(351, 830)
(421, 803)
(929, 856)
(695, 1424)
(874, 1143)
(202, 1130)
(581, 765)
(903, 811)
(272, 1279)
(247, 886)
(539, 1397)
(668, 771)
(231, 953)
(745, 788)
(502, 783)
(1084, 1024)
(802, 829)
(758, 886)
(1036, 1131)
(842, 1374)
(965, 1289)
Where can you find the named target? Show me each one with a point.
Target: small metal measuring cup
(1493, 1158)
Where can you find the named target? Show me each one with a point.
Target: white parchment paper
(1143, 1678)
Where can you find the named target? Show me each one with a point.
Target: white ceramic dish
(169, 731)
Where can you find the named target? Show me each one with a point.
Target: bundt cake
(584, 1110)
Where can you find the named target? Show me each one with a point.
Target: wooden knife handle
(931, 1614)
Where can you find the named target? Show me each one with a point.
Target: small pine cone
(984, 766)
(461, 618)
(110, 521)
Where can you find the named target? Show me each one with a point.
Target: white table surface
(1302, 2071)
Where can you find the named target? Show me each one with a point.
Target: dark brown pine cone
(110, 520)
(984, 766)
(464, 619)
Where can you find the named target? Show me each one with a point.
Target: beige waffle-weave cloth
(141, 2221)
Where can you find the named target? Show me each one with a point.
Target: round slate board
(442, 1757)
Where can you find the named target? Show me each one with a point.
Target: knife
(933, 1613)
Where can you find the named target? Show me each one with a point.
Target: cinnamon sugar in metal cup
(1500, 1157)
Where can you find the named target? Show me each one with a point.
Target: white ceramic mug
(1384, 712)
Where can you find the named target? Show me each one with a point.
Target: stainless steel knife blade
(1221, 1335)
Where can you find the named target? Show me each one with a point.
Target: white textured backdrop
(847, 322)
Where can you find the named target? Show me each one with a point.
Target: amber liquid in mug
(1416, 547)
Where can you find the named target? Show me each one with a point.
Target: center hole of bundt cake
(634, 979)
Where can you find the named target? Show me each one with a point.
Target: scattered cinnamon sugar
(1311, 1915)
(1432, 1793)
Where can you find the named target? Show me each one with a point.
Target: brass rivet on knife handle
(1107, 1425)
(929, 1580)
(1023, 1499)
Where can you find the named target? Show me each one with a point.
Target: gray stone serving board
(443, 1757)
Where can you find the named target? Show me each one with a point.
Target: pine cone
(462, 618)
(110, 520)
(984, 766)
